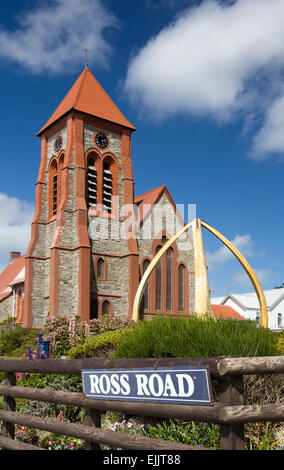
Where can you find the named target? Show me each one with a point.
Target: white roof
(20, 278)
(250, 300)
(217, 300)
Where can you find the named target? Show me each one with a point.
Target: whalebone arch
(202, 297)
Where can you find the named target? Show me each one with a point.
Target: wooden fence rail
(230, 412)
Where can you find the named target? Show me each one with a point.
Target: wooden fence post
(9, 404)
(231, 392)
(92, 418)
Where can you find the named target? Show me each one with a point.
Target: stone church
(91, 237)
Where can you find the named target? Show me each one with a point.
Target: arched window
(169, 269)
(53, 187)
(92, 182)
(59, 178)
(107, 187)
(94, 307)
(101, 269)
(159, 281)
(106, 308)
(19, 298)
(181, 290)
(146, 295)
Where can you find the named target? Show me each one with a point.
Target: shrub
(7, 325)
(15, 340)
(71, 413)
(281, 342)
(53, 441)
(65, 332)
(192, 433)
(109, 323)
(193, 337)
(28, 340)
(97, 346)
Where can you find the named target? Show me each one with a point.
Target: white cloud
(265, 277)
(222, 255)
(51, 37)
(15, 226)
(270, 138)
(215, 60)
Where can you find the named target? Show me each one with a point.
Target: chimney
(14, 255)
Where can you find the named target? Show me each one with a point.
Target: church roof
(88, 96)
(224, 311)
(146, 201)
(12, 274)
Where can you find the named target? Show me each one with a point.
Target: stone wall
(6, 308)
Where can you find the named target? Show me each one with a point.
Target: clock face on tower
(101, 140)
(58, 143)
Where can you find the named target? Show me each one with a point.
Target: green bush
(58, 329)
(192, 433)
(27, 340)
(97, 346)
(109, 323)
(53, 410)
(193, 337)
(7, 325)
(14, 342)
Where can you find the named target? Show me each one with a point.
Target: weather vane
(86, 58)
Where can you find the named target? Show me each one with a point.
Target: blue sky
(202, 81)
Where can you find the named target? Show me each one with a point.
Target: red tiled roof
(88, 96)
(224, 311)
(8, 276)
(147, 200)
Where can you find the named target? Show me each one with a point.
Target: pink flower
(60, 416)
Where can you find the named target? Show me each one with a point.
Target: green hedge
(193, 337)
(97, 346)
(14, 340)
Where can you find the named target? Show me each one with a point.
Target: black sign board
(185, 385)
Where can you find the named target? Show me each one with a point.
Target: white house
(248, 306)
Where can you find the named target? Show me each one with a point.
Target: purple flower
(30, 353)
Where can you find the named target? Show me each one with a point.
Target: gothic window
(169, 269)
(169, 284)
(101, 183)
(146, 295)
(19, 298)
(94, 307)
(107, 187)
(59, 178)
(101, 269)
(181, 290)
(106, 308)
(159, 281)
(92, 184)
(53, 187)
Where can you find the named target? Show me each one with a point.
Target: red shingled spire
(88, 96)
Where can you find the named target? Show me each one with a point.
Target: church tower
(77, 262)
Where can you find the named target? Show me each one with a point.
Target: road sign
(177, 385)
